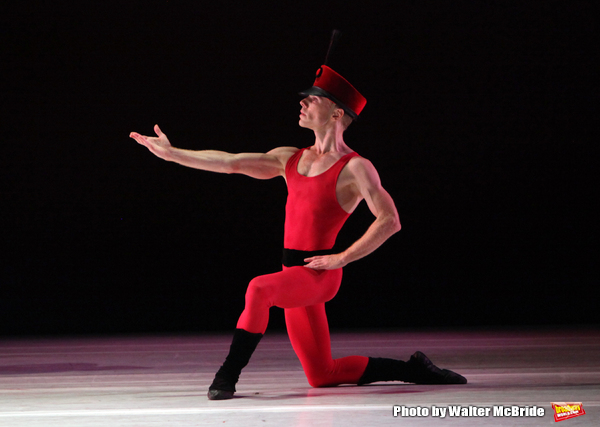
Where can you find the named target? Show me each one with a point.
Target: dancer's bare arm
(368, 187)
(257, 165)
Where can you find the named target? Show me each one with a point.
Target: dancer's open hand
(158, 145)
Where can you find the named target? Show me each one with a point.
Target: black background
(479, 120)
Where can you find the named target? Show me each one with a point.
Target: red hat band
(333, 86)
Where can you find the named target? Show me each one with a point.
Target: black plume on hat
(335, 36)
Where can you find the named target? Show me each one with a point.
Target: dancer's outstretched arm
(256, 165)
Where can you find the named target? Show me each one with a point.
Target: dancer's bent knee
(259, 292)
(255, 317)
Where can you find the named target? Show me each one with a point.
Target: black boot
(242, 346)
(381, 369)
(418, 370)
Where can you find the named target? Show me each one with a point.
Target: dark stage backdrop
(478, 119)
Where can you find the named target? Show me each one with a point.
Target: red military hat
(333, 86)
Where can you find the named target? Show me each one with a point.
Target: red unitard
(313, 219)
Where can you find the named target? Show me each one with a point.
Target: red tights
(302, 293)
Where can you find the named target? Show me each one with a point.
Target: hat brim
(317, 91)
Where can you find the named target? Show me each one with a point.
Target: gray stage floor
(162, 381)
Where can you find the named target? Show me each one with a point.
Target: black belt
(293, 257)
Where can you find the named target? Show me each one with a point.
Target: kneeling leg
(309, 334)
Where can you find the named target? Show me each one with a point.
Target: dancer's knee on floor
(319, 381)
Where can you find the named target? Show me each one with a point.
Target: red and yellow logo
(564, 411)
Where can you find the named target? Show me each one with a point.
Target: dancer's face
(316, 112)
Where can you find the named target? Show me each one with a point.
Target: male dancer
(325, 184)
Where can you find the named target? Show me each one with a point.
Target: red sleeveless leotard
(313, 215)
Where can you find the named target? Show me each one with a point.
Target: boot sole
(220, 394)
